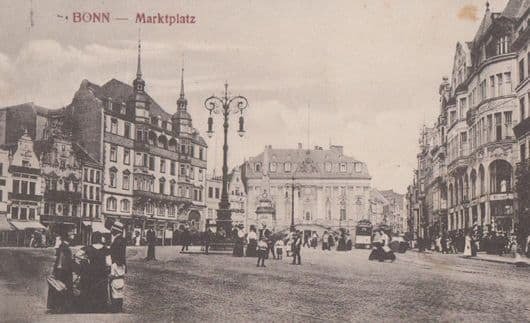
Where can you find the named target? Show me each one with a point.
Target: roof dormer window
(328, 167)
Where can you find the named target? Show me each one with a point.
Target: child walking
(263, 249)
(279, 248)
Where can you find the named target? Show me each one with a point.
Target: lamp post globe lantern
(225, 106)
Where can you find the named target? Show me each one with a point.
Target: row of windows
(524, 72)
(64, 185)
(90, 193)
(60, 209)
(146, 160)
(498, 84)
(490, 128)
(91, 176)
(211, 192)
(287, 167)
(125, 206)
(23, 213)
(23, 187)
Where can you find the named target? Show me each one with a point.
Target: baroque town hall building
(135, 162)
(468, 159)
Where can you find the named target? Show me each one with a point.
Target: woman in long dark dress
(97, 293)
(252, 242)
(60, 301)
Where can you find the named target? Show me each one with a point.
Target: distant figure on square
(150, 236)
(61, 281)
(263, 249)
(118, 267)
(325, 241)
(468, 252)
(279, 248)
(296, 246)
(252, 242)
(186, 239)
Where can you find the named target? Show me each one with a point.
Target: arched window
(473, 177)
(482, 180)
(258, 167)
(111, 204)
(125, 205)
(149, 208)
(308, 216)
(500, 176)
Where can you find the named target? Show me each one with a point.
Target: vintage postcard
(247, 161)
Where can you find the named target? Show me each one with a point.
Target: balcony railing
(159, 197)
(62, 196)
(24, 169)
(26, 197)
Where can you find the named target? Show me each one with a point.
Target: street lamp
(225, 106)
(293, 186)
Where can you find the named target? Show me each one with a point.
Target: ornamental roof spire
(139, 83)
(182, 83)
(139, 67)
(182, 103)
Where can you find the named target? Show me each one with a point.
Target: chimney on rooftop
(336, 148)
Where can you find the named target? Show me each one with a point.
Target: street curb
(489, 260)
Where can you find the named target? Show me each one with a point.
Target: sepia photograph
(251, 161)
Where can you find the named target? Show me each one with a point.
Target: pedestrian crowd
(474, 239)
(92, 279)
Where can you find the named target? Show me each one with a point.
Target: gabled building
(466, 170)
(115, 153)
(236, 196)
(25, 188)
(154, 162)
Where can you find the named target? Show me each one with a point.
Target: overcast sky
(369, 70)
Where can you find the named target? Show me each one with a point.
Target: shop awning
(23, 225)
(4, 224)
(96, 226)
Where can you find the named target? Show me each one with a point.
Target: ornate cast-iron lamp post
(225, 106)
(293, 186)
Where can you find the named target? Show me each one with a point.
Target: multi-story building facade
(378, 204)
(72, 190)
(236, 196)
(467, 160)
(332, 190)
(24, 182)
(118, 155)
(395, 215)
(155, 162)
(5, 227)
(521, 44)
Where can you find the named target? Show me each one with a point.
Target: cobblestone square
(329, 286)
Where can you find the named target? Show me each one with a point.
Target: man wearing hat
(118, 263)
(296, 246)
(150, 236)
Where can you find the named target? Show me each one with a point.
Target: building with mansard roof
(331, 189)
(155, 162)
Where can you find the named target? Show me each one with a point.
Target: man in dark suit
(118, 267)
(151, 242)
(297, 245)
